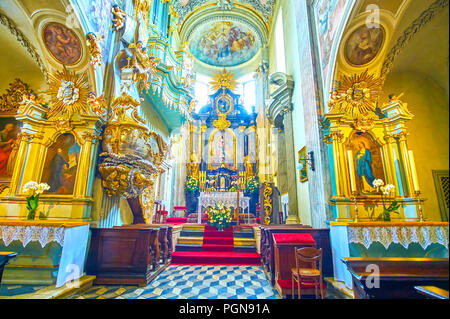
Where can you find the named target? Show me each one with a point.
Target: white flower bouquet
(33, 200)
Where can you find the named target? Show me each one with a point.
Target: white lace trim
(27, 234)
(423, 235)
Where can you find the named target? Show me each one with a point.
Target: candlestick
(356, 206)
(351, 171)
(413, 171)
(421, 219)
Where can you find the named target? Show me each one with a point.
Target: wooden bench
(5, 257)
(124, 255)
(164, 238)
(394, 278)
(321, 237)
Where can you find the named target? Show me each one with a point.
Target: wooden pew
(164, 238)
(123, 255)
(321, 236)
(431, 292)
(396, 277)
(5, 257)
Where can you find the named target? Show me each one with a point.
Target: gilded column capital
(336, 137)
(203, 128)
(402, 136)
(389, 138)
(91, 137)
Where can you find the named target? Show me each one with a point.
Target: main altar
(223, 153)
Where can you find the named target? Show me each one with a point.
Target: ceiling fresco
(224, 43)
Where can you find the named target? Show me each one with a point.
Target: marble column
(291, 168)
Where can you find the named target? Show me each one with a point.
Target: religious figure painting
(224, 43)
(363, 45)
(222, 150)
(60, 167)
(367, 162)
(302, 159)
(62, 43)
(9, 144)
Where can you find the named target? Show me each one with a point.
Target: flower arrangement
(386, 191)
(251, 185)
(219, 216)
(33, 200)
(191, 184)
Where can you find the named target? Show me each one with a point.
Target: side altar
(223, 152)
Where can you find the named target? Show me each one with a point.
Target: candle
(351, 171)
(413, 171)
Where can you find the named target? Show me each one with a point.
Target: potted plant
(219, 216)
(33, 200)
(192, 192)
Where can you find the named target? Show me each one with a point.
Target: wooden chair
(313, 274)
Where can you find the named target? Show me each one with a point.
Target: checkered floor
(194, 282)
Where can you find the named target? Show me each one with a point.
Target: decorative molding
(409, 33)
(6, 21)
(280, 102)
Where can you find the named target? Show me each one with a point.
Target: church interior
(224, 149)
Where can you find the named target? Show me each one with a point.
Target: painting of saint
(363, 45)
(9, 128)
(224, 43)
(367, 161)
(63, 43)
(61, 165)
(222, 150)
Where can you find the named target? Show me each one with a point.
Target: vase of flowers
(33, 200)
(386, 193)
(251, 185)
(219, 216)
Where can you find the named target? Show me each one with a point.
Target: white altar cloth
(229, 199)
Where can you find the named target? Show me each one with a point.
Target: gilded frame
(303, 159)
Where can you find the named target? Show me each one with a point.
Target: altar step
(203, 244)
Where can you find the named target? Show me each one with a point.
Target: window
(202, 91)
(247, 90)
(279, 44)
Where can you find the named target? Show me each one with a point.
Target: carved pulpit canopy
(132, 154)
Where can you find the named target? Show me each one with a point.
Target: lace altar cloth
(27, 234)
(403, 235)
(229, 199)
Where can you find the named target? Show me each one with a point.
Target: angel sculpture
(142, 7)
(225, 4)
(119, 17)
(97, 104)
(95, 51)
(143, 65)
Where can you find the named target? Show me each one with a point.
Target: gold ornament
(356, 96)
(17, 94)
(222, 123)
(69, 92)
(224, 80)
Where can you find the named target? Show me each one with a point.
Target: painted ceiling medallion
(224, 43)
(63, 43)
(69, 92)
(224, 80)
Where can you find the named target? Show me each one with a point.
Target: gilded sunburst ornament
(69, 93)
(357, 95)
(224, 80)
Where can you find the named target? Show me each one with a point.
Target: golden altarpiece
(368, 144)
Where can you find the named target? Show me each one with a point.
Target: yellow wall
(429, 130)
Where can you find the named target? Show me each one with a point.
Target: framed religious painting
(363, 45)
(224, 104)
(303, 164)
(9, 145)
(61, 165)
(62, 43)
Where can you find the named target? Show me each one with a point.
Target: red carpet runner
(217, 249)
